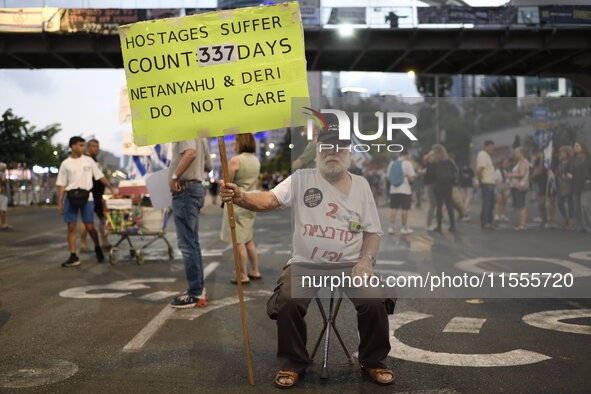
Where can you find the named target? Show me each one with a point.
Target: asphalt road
(108, 328)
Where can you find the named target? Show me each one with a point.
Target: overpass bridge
(563, 51)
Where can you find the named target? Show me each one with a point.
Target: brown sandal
(374, 372)
(294, 376)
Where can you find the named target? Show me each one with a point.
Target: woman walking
(243, 170)
(564, 184)
(519, 187)
(581, 176)
(445, 176)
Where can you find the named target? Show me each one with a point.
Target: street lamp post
(437, 109)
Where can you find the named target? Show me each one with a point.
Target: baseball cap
(331, 135)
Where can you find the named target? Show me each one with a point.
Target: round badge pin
(312, 197)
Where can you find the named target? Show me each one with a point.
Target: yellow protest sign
(214, 74)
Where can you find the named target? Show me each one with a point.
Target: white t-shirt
(408, 171)
(329, 225)
(78, 173)
(483, 160)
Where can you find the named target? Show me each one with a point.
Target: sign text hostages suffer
(214, 74)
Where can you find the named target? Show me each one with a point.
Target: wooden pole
(232, 222)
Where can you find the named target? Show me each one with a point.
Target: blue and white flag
(358, 157)
(137, 167)
(161, 156)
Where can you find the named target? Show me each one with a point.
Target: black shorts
(98, 207)
(400, 201)
(518, 197)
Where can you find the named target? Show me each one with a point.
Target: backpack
(396, 174)
(446, 173)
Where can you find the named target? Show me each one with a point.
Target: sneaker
(100, 257)
(406, 230)
(188, 301)
(432, 227)
(464, 218)
(72, 261)
(504, 218)
(84, 249)
(391, 230)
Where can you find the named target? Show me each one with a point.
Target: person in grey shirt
(190, 159)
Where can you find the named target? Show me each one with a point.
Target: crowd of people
(561, 182)
(349, 205)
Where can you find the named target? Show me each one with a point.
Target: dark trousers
(488, 204)
(566, 206)
(292, 355)
(443, 195)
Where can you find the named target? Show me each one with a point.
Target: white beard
(334, 170)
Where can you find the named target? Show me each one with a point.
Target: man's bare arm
(188, 156)
(253, 201)
(370, 247)
(297, 164)
(106, 182)
(60, 199)
(479, 172)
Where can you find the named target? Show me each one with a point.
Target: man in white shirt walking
(74, 180)
(485, 171)
(400, 173)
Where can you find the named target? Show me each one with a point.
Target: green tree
(282, 159)
(20, 142)
(501, 88)
(426, 85)
(516, 142)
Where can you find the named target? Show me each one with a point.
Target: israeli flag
(358, 157)
(161, 156)
(548, 151)
(137, 168)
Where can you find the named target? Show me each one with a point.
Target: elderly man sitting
(327, 197)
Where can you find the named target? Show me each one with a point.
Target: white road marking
(191, 314)
(471, 265)
(47, 233)
(405, 352)
(150, 329)
(468, 325)
(389, 262)
(41, 374)
(158, 295)
(130, 284)
(212, 252)
(40, 250)
(551, 320)
(586, 255)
